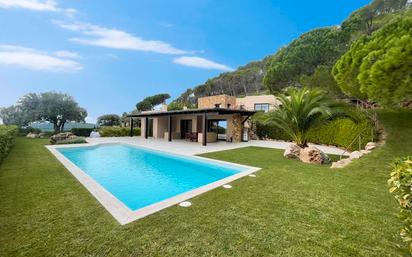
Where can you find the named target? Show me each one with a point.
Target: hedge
(82, 132)
(78, 140)
(400, 185)
(118, 132)
(7, 135)
(340, 132)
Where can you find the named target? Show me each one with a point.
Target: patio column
(204, 129)
(146, 127)
(131, 127)
(169, 125)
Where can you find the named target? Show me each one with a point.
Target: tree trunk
(62, 126)
(56, 127)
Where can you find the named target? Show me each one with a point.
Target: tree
(318, 47)
(303, 109)
(322, 78)
(378, 68)
(12, 116)
(363, 19)
(57, 108)
(109, 120)
(149, 102)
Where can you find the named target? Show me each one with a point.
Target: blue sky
(111, 54)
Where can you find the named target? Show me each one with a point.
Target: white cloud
(202, 63)
(35, 60)
(37, 5)
(67, 54)
(34, 5)
(114, 38)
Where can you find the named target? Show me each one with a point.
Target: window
(228, 106)
(262, 107)
(217, 105)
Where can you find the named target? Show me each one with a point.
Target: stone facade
(235, 128)
(224, 101)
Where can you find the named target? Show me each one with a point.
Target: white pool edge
(118, 209)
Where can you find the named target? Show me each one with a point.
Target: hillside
(308, 58)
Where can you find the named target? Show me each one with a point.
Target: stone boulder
(341, 163)
(365, 152)
(292, 151)
(370, 146)
(355, 155)
(32, 135)
(94, 134)
(62, 137)
(312, 154)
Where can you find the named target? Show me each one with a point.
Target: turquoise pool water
(139, 177)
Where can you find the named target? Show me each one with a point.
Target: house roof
(221, 111)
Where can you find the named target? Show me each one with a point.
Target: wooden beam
(131, 127)
(169, 125)
(204, 129)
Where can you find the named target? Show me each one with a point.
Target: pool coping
(117, 208)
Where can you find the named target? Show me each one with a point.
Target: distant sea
(48, 127)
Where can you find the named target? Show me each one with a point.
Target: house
(219, 117)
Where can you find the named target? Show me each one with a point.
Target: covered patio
(196, 125)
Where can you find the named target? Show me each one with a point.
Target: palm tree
(302, 109)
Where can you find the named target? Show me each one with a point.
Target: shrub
(400, 185)
(27, 130)
(77, 140)
(264, 131)
(118, 132)
(82, 132)
(7, 134)
(340, 132)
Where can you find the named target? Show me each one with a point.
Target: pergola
(204, 112)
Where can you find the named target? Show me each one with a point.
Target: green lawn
(289, 209)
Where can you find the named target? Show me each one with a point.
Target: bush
(82, 132)
(27, 130)
(400, 185)
(118, 132)
(339, 132)
(7, 134)
(342, 132)
(77, 140)
(264, 131)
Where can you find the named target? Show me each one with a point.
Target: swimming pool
(132, 182)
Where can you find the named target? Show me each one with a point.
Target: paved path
(193, 148)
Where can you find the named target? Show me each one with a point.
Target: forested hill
(307, 60)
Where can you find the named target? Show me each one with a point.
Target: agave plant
(303, 109)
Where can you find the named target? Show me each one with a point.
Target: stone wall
(211, 101)
(235, 128)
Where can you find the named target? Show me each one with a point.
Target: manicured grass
(289, 209)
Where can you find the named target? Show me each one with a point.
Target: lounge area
(209, 123)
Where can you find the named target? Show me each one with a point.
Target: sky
(111, 54)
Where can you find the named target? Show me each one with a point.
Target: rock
(94, 134)
(365, 151)
(312, 154)
(355, 155)
(42, 135)
(341, 163)
(370, 146)
(32, 135)
(292, 151)
(62, 137)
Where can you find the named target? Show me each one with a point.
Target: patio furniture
(192, 136)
